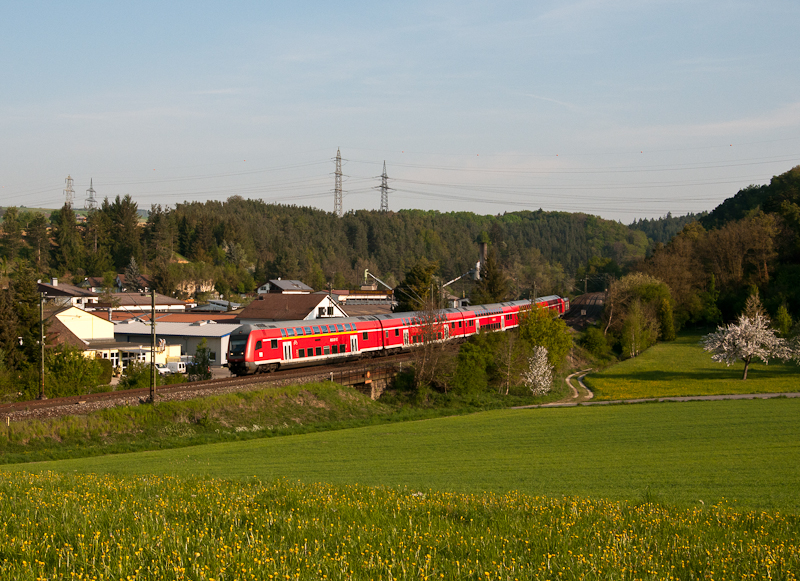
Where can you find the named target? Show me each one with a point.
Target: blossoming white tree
(751, 336)
(539, 375)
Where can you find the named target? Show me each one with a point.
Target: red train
(268, 346)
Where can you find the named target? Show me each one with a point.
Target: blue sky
(624, 109)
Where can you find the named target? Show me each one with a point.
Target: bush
(106, 371)
(200, 368)
(595, 343)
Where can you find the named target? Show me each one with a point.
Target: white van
(163, 369)
(176, 366)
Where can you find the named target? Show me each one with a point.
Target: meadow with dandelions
(681, 368)
(83, 526)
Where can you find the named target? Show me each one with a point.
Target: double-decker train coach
(264, 347)
(554, 303)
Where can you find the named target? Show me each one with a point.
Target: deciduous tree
(744, 340)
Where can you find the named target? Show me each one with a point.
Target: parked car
(163, 369)
(176, 366)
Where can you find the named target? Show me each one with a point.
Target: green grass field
(747, 452)
(681, 367)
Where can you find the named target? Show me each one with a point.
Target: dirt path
(584, 395)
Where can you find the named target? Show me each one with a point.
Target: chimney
(54, 282)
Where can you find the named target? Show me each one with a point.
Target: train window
(298, 330)
(387, 334)
(307, 330)
(347, 326)
(273, 344)
(365, 336)
(301, 353)
(327, 350)
(452, 325)
(459, 324)
(334, 348)
(319, 350)
(340, 327)
(283, 332)
(316, 329)
(258, 345)
(397, 332)
(290, 332)
(324, 328)
(343, 348)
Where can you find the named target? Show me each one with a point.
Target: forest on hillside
(750, 242)
(238, 244)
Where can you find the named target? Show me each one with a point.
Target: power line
(337, 186)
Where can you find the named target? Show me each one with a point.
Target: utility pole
(41, 346)
(337, 186)
(384, 188)
(69, 191)
(91, 203)
(152, 345)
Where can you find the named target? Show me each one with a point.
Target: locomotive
(265, 347)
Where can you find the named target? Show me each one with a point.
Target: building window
(212, 356)
(330, 311)
(321, 312)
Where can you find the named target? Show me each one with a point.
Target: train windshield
(238, 345)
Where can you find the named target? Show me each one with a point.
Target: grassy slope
(746, 451)
(683, 368)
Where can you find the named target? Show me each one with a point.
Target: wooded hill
(751, 240)
(240, 243)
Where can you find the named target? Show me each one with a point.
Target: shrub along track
(84, 404)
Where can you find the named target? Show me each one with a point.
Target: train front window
(237, 346)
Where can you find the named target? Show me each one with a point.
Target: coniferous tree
(39, 243)
(493, 286)
(133, 278)
(417, 287)
(25, 297)
(68, 252)
(124, 213)
(12, 234)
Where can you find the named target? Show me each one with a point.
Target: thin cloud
(570, 106)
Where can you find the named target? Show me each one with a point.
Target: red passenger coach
(554, 303)
(263, 347)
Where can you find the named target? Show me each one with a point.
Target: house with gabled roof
(285, 287)
(95, 336)
(291, 307)
(64, 294)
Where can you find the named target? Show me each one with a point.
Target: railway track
(585, 310)
(345, 372)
